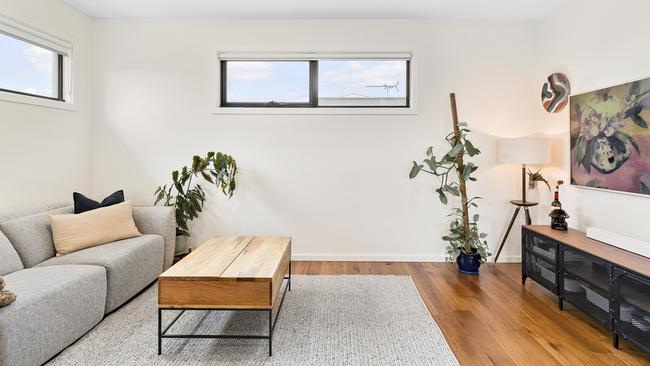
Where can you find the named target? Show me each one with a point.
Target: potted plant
(216, 168)
(466, 244)
(534, 177)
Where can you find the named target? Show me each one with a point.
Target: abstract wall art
(555, 93)
(610, 138)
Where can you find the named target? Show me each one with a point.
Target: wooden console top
(610, 253)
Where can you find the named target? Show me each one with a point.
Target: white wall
(45, 154)
(337, 183)
(596, 46)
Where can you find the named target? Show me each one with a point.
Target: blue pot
(469, 263)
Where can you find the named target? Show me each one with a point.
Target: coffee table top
(232, 258)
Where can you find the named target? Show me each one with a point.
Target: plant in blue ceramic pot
(467, 245)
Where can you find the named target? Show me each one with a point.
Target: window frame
(313, 79)
(63, 71)
(224, 106)
(59, 81)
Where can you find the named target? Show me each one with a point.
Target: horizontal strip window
(331, 81)
(33, 64)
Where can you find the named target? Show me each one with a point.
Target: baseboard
(382, 258)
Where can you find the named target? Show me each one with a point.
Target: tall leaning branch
(460, 168)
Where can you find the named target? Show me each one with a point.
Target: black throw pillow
(83, 203)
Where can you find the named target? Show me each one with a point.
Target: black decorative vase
(469, 263)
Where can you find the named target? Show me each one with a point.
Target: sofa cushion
(9, 259)
(131, 265)
(54, 307)
(158, 220)
(103, 225)
(83, 203)
(16, 213)
(31, 236)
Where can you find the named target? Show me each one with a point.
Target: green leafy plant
(463, 236)
(535, 177)
(216, 168)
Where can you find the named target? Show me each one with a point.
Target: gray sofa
(59, 299)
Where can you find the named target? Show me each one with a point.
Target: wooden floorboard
(492, 319)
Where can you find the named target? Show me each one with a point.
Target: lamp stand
(523, 182)
(519, 204)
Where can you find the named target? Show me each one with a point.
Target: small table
(227, 273)
(525, 204)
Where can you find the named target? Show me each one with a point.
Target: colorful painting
(610, 138)
(555, 93)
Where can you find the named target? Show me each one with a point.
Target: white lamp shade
(534, 151)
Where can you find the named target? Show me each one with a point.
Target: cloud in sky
(264, 81)
(40, 58)
(345, 77)
(286, 81)
(356, 73)
(31, 91)
(249, 70)
(26, 67)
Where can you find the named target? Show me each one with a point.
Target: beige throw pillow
(100, 226)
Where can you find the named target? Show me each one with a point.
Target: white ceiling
(298, 9)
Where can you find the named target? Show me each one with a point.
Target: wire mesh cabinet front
(632, 308)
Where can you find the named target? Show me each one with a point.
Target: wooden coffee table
(227, 273)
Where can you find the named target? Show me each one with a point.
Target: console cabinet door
(540, 260)
(632, 308)
(586, 283)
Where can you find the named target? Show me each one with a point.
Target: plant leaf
(625, 137)
(431, 163)
(471, 150)
(644, 188)
(206, 177)
(468, 170)
(455, 150)
(196, 160)
(589, 155)
(415, 170)
(580, 150)
(442, 196)
(633, 114)
(451, 190)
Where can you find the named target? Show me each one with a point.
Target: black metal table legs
(519, 205)
(505, 237)
(159, 331)
(162, 333)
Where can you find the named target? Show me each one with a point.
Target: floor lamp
(533, 151)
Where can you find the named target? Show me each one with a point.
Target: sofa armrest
(160, 220)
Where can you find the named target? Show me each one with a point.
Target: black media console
(608, 283)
